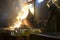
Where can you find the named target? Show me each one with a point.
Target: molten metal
(22, 15)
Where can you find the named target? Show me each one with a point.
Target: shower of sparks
(22, 15)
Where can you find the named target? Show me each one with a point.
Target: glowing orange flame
(22, 15)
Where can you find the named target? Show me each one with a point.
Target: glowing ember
(22, 15)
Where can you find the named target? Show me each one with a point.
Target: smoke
(8, 12)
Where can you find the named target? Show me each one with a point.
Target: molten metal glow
(17, 25)
(31, 8)
(22, 15)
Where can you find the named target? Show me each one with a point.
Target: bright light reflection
(40, 1)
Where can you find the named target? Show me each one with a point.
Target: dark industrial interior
(29, 20)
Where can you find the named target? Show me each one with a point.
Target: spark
(22, 15)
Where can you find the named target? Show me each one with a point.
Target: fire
(22, 15)
(31, 8)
